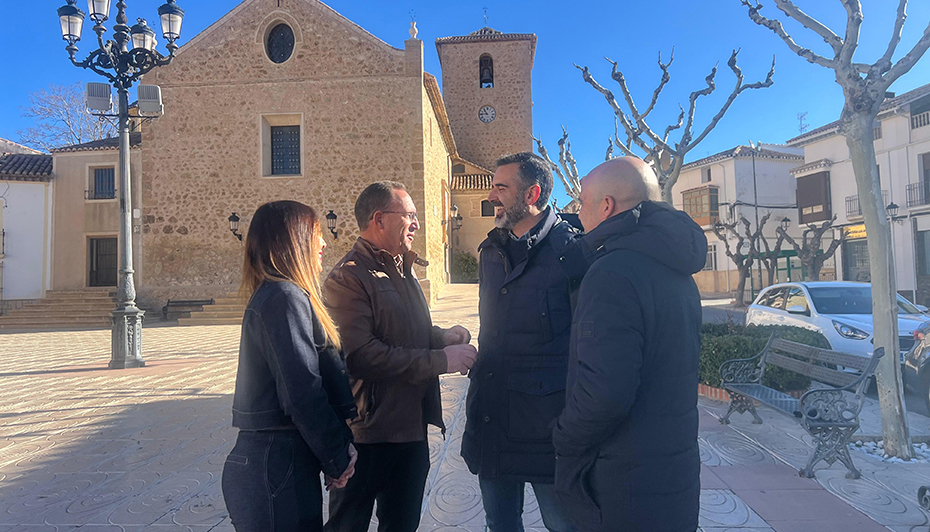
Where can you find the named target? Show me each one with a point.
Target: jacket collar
(498, 237)
(367, 249)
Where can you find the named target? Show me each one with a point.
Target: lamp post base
(127, 338)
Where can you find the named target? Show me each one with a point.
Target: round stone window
(280, 43)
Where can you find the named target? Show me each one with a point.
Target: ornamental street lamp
(456, 218)
(122, 61)
(892, 210)
(785, 223)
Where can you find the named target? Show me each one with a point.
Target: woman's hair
(283, 244)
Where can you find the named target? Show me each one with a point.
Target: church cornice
(487, 34)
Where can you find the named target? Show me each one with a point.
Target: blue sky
(703, 33)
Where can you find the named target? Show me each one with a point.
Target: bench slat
(819, 373)
(820, 355)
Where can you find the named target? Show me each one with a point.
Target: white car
(841, 311)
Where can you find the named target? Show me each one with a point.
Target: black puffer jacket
(627, 441)
(518, 382)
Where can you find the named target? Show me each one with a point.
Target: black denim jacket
(288, 377)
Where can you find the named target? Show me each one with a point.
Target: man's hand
(339, 483)
(456, 335)
(459, 358)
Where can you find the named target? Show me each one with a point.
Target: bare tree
(567, 169)
(61, 119)
(809, 250)
(769, 257)
(666, 157)
(864, 87)
(743, 262)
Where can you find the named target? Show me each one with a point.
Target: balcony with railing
(853, 208)
(918, 194)
(920, 120)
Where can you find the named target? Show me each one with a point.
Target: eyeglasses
(409, 216)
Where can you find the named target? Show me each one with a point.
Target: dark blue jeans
(271, 482)
(503, 505)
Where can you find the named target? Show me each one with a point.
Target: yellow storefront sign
(854, 232)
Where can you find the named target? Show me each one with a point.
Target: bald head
(616, 186)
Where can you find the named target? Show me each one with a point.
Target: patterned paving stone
(723, 509)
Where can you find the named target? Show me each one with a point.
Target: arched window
(487, 208)
(486, 72)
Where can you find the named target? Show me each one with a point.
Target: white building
(724, 186)
(827, 186)
(25, 222)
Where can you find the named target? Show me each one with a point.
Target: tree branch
(884, 64)
(665, 79)
(811, 23)
(736, 92)
(778, 29)
(637, 117)
(555, 168)
(853, 28)
(908, 61)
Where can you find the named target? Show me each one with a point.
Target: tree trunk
(670, 181)
(813, 270)
(858, 131)
(741, 285)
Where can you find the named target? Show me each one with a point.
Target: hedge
(725, 341)
(464, 268)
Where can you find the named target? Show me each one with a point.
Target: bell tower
(487, 90)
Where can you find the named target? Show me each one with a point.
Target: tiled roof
(472, 182)
(112, 143)
(819, 163)
(887, 105)
(743, 151)
(8, 146)
(489, 34)
(25, 167)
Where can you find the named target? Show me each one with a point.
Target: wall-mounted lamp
(234, 225)
(455, 218)
(892, 209)
(331, 224)
(785, 223)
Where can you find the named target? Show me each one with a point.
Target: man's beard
(512, 216)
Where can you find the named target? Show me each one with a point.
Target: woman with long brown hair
(292, 395)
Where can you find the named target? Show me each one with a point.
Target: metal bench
(830, 415)
(176, 308)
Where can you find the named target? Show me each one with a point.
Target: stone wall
(511, 131)
(360, 104)
(437, 172)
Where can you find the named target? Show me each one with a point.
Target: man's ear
(532, 194)
(378, 219)
(608, 207)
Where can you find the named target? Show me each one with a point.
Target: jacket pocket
(574, 489)
(534, 399)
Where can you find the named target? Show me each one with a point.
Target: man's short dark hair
(533, 170)
(376, 197)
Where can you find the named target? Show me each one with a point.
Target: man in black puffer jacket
(518, 382)
(626, 444)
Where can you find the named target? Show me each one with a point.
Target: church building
(290, 100)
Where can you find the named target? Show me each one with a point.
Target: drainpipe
(727, 196)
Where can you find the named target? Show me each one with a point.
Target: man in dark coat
(627, 441)
(518, 384)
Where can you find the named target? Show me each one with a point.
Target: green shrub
(464, 268)
(722, 342)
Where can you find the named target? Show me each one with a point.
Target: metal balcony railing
(921, 120)
(854, 209)
(918, 194)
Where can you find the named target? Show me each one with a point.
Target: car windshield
(850, 300)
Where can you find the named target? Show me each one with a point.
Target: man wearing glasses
(394, 356)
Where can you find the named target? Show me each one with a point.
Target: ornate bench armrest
(742, 370)
(833, 405)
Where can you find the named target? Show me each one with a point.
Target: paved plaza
(83, 447)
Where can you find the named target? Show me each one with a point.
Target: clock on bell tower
(487, 90)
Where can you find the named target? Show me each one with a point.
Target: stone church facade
(297, 102)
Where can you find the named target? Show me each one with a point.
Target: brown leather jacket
(393, 352)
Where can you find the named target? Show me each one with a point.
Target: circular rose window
(280, 44)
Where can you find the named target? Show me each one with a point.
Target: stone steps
(224, 311)
(88, 308)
